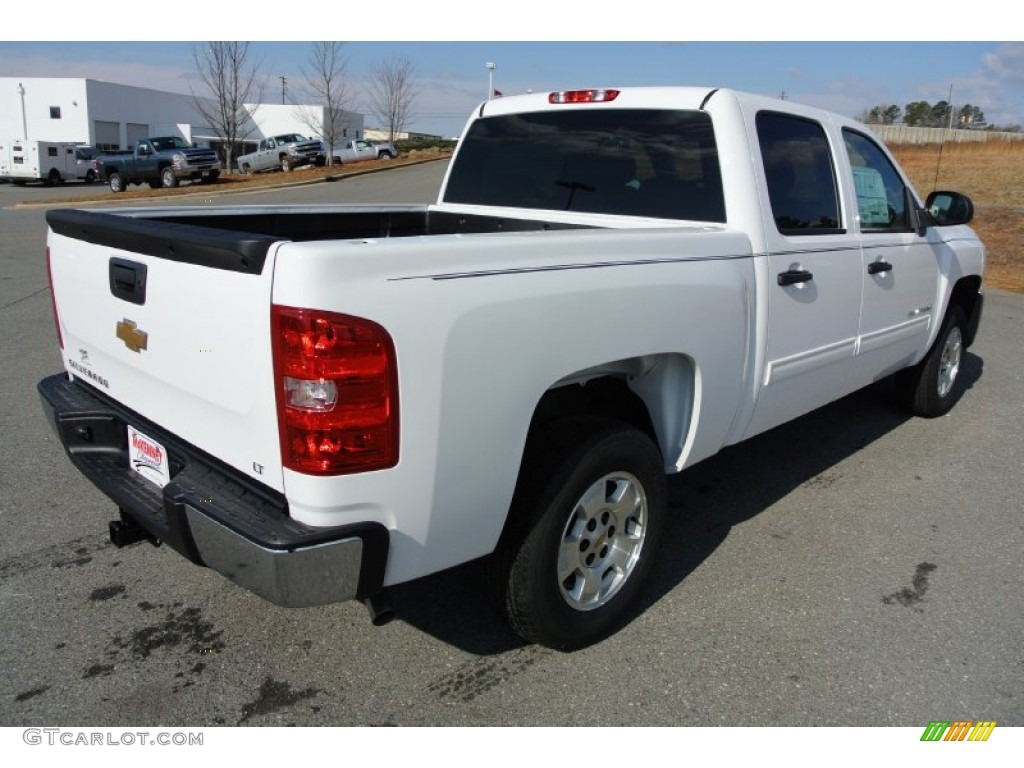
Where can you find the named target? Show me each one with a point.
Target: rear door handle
(794, 276)
(879, 266)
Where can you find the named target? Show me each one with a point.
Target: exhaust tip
(380, 607)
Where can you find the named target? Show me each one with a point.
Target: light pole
(284, 85)
(491, 66)
(24, 123)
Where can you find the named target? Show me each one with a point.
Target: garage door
(108, 135)
(136, 131)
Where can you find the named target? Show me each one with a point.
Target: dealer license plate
(147, 457)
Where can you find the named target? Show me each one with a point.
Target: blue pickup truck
(161, 161)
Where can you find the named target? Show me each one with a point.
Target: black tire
(53, 178)
(384, 156)
(572, 560)
(116, 182)
(933, 386)
(90, 177)
(247, 169)
(286, 164)
(167, 178)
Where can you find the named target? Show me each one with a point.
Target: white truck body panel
(208, 380)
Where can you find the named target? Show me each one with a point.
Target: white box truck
(52, 162)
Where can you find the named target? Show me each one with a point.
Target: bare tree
(232, 78)
(392, 93)
(326, 79)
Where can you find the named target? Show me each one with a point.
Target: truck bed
(238, 238)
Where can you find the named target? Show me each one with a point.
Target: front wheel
(934, 385)
(90, 177)
(286, 164)
(583, 531)
(167, 178)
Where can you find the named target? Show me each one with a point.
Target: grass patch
(992, 174)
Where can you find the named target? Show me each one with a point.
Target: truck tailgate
(173, 322)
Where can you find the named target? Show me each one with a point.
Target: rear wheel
(116, 181)
(583, 531)
(53, 178)
(167, 178)
(933, 386)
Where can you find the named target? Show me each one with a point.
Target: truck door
(145, 161)
(899, 267)
(814, 271)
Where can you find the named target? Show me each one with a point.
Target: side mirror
(948, 208)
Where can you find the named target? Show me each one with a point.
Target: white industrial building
(114, 116)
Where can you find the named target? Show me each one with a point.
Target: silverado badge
(132, 337)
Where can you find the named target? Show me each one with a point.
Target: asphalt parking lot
(854, 567)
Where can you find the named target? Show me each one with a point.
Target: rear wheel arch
(654, 393)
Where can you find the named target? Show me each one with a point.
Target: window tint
(881, 194)
(799, 171)
(657, 163)
(51, 151)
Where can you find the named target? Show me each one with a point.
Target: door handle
(879, 266)
(128, 280)
(794, 276)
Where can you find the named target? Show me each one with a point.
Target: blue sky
(843, 75)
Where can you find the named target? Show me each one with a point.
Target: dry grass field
(992, 173)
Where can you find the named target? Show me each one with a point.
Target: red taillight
(53, 299)
(582, 97)
(337, 392)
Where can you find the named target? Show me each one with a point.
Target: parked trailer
(52, 162)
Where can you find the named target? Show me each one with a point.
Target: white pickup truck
(320, 402)
(354, 150)
(284, 152)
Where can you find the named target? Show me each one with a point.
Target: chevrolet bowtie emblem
(132, 337)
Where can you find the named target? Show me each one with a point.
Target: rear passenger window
(800, 174)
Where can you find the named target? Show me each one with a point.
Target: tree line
(234, 79)
(941, 114)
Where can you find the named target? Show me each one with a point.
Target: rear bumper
(212, 514)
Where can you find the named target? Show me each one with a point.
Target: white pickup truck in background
(284, 152)
(325, 401)
(354, 150)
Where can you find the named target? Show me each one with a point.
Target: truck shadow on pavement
(458, 607)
